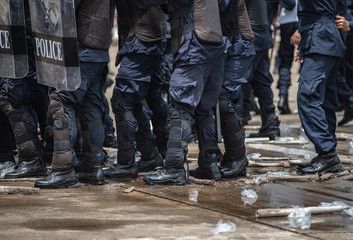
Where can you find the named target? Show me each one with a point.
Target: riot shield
(13, 52)
(55, 38)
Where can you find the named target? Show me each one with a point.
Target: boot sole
(207, 177)
(178, 182)
(65, 184)
(91, 181)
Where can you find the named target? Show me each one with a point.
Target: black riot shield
(55, 37)
(13, 52)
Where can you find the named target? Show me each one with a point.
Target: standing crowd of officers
(215, 56)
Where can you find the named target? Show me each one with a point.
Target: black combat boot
(122, 171)
(35, 167)
(348, 112)
(283, 105)
(110, 141)
(92, 174)
(58, 179)
(208, 168)
(150, 157)
(209, 154)
(167, 176)
(323, 164)
(269, 128)
(173, 172)
(234, 161)
(302, 165)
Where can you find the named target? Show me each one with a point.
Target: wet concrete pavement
(175, 212)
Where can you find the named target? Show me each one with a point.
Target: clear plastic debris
(248, 201)
(350, 147)
(259, 180)
(302, 135)
(249, 193)
(254, 156)
(347, 209)
(249, 196)
(308, 156)
(7, 167)
(293, 153)
(300, 218)
(193, 194)
(279, 173)
(227, 227)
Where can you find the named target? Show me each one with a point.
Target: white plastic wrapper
(254, 156)
(279, 173)
(249, 196)
(222, 227)
(348, 210)
(193, 194)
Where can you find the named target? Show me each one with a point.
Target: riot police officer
(235, 26)
(141, 45)
(86, 103)
(321, 48)
(16, 111)
(195, 84)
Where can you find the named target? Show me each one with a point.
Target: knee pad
(26, 140)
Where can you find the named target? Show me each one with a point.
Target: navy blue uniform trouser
(345, 75)
(131, 87)
(195, 91)
(19, 93)
(286, 53)
(317, 100)
(86, 103)
(235, 70)
(261, 79)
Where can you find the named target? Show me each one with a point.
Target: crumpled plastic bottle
(300, 218)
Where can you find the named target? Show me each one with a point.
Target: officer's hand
(298, 58)
(295, 38)
(342, 24)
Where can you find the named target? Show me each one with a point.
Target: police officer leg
(159, 117)
(126, 126)
(93, 156)
(109, 130)
(150, 156)
(261, 83)
(24, 126)
(346, 86)
(65, 132)
(7, 144)
(270, 122)
(284, 75)
(286, 52)
(234, 161)
(174, 172)
(210, 153)
(317, 92)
